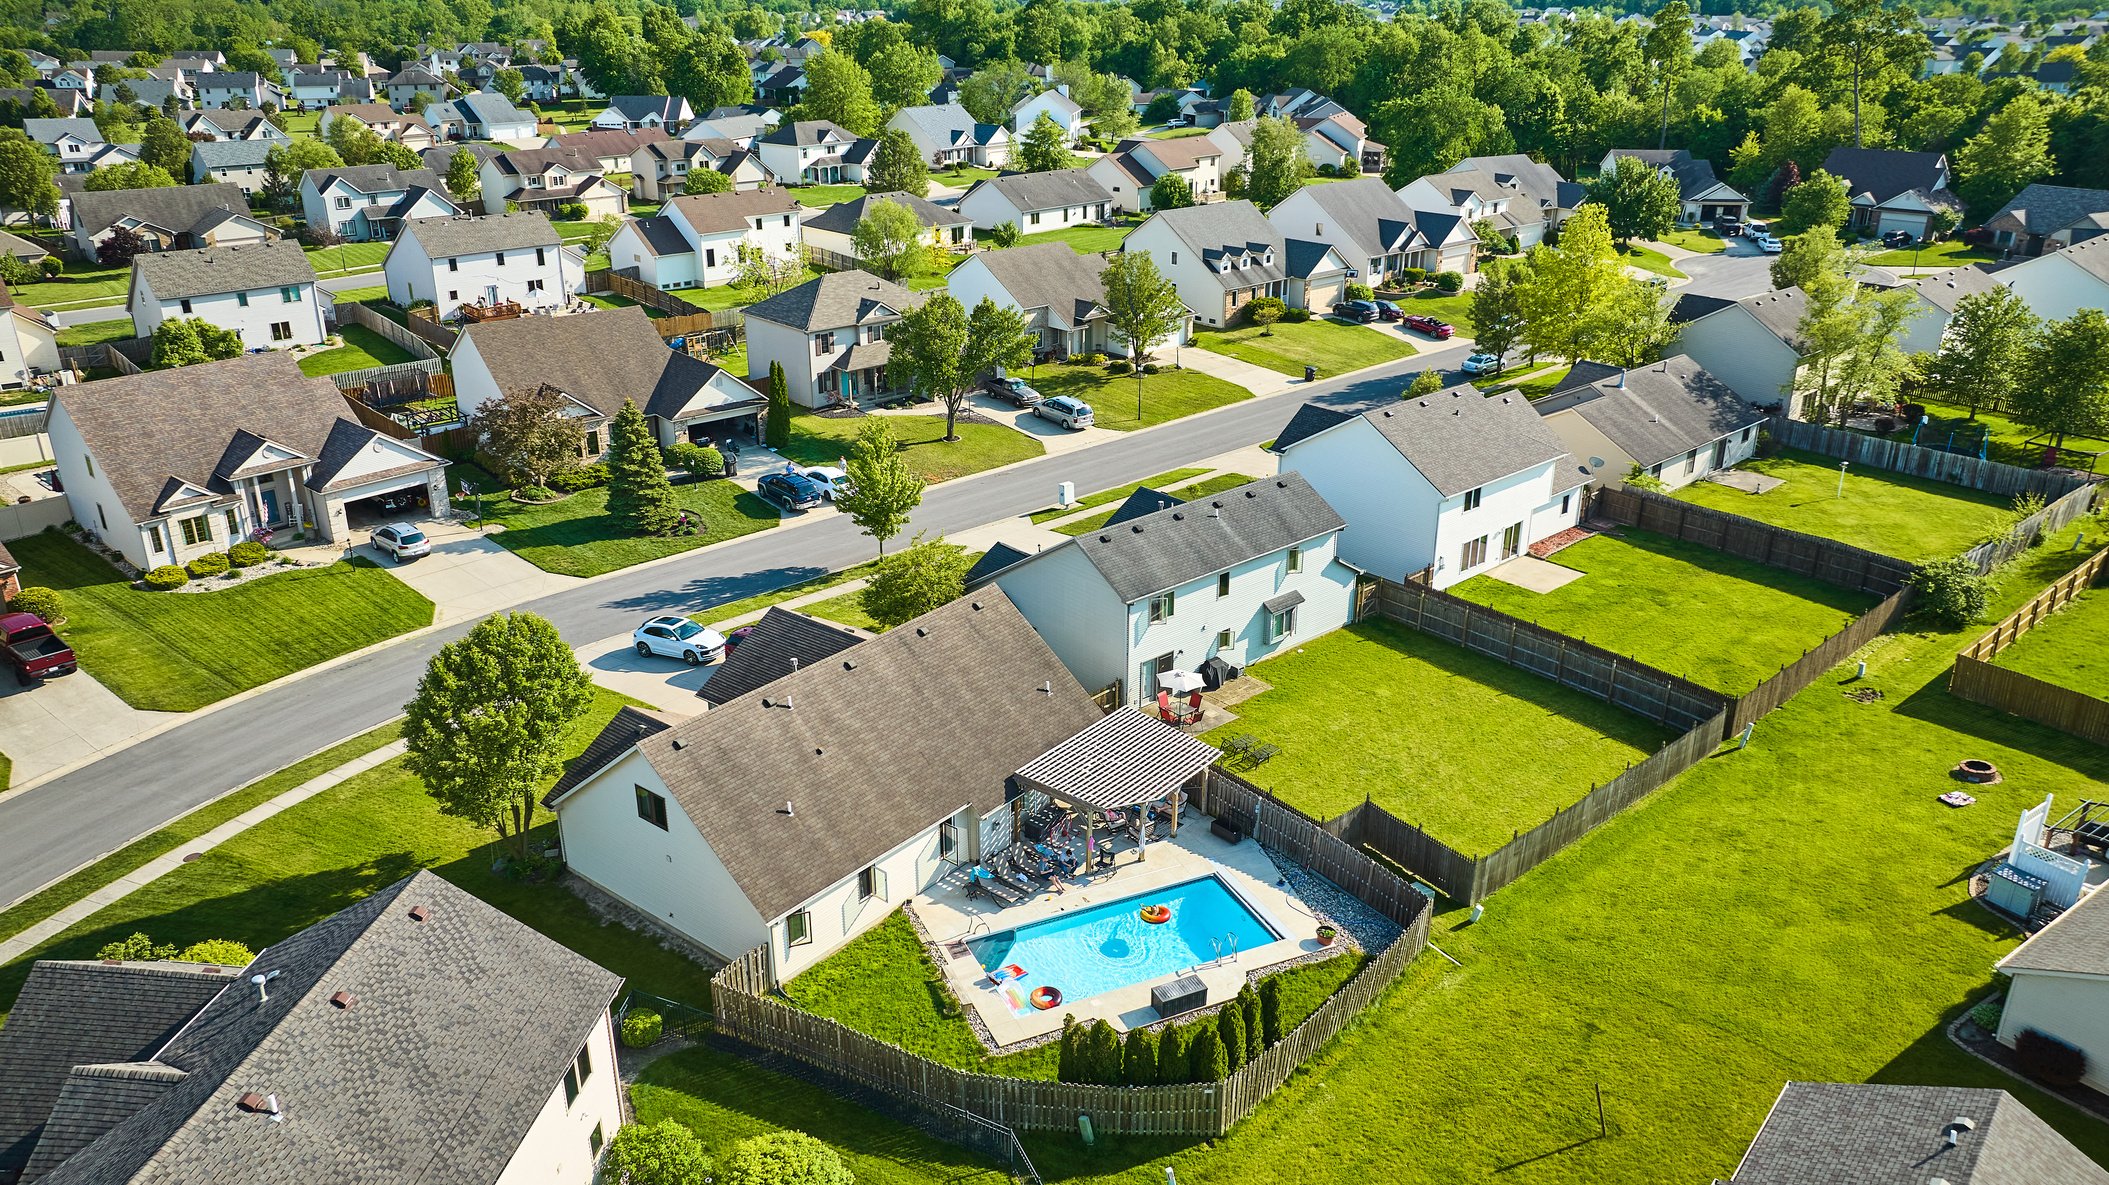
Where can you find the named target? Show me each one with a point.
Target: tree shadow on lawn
(708, 592)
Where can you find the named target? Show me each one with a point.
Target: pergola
(1124, 760)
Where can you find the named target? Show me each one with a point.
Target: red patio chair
(1193, 703)
(1164, 707)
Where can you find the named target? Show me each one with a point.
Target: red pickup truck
(33, 649)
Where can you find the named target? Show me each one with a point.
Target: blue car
(793, 491)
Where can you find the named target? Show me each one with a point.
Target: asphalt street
(48, 831)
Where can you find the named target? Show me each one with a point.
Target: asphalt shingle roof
(780, 639)
(1822, 1133)
(175, 209)
(618, 737)
(1061, 188)
(1182, 543)
(1457, 438)
(2045, 209)
(238, 267)
(717, 213)
(1946, 289)
(849, 742)
(377, 178)
(1365, 210)
(842, 217)
(600, 358)
(217, 155)
(835, 300)
(1883, 173)
(2077, 943)
(1694, 175)
(1659, 411)
(520, 230)
(1050, 276)
(1236, 231)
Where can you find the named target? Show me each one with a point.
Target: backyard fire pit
(1982, 773)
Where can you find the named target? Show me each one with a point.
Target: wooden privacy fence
(24, 421)
(2060, 593)
(412, 342)
(746, 1011)
(105, 354)
(1827, 560)
(425, 323)
(1790, 680)
(2021, 536)
(1993, 477)
(1974, 678)
(1625, 682)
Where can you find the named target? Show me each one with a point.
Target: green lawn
(1454, 307)
(1085, 240)
(80, 283)
(825, 440)
(732, 361)
(1166, 395)
(1174, 133)
(1649, 260)
(961, 178)
(1704, 242)
(1117, 493)
(820, 197)
(724, 1099)
(1468, 748)
(376, 295)
(1186, 493)
(2071, 647)
(845, 609)
(302, 123)
(1888, 513)
(609, 300)
(778, 596)
(2005, 438)
(726, 296)
(362, 348)
(347, 257)
(1539, 387)
(1722, 622)
(177, 652)
(576, 537)
(883, 983)
(315, 858)
(92, 332)
(1334, 347)
(1940, 255)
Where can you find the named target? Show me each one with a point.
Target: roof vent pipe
(262, 982)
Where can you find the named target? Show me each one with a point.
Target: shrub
(700, 460)
(1356, 290)
(1171, 1056)
(1450, 281)
(1413, 275)
(44, 602)
(220, 952)
(1986, 1015)
(1138, 1060)
(212, 563)
(1119, 366)
(1640, 479)
(642, 1027)
(1271, 1012)
(784, 1158)
(1149, 368)
(1949, 593)
(1230, 1032)
(248, 552)
(137, 949)
(534, 494)
(573, 211)
(1297, 316)
(319, 236)
(1264, 310)
(166, 577)
(1205, 1059)
(1249, 1004)
(580, 477)
(2049, 1060)
(662, 1153)
(1093, 359)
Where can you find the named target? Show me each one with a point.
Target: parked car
(34, 650)
(1440, 330)
(1388, 311)
(1728, 226)
(792, 491)
(1770, 244)
(401, 541)
(733, 639)
(1364, 311)
(1482, 364)
(1011, 389)
(831, 479)
(1069, 413)
(678, 637)
(1897, 240)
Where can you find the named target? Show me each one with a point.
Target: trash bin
(1310, 374)
(731, 453)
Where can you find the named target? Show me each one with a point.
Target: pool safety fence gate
(748, 1012)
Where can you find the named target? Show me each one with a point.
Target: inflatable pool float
(1045, 997)
(1156, 915)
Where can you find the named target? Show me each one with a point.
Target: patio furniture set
(1055, 852)
(1249, 750)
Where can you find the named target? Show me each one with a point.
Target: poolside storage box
(1181, 995)
(2013, 891)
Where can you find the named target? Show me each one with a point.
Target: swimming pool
(1085, 952)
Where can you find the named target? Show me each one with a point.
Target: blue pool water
(1088, 951)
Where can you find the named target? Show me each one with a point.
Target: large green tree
(463, 179)
(1639, 201)
(639, 496)
(485, 730)
(2065, 387)
(129, 175)
(1171, 191)
(1818, 203)
(903, 74)
(164, 146)
(1564, 287)
(891, 240)
(1850, 336)
(897, 166)
(1142, 306)
(838, 89)
(26, 173)
(1496, 313)
(925, 575)
(883, 491)
(941, 351)
(1274, 162)
(1868, 43)
(2012, 150)
(1044, 148)
(1668, 48)
(1985, 350)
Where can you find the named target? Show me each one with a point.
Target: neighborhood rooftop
(238, 267)
(835, 300)
(520, 229)
(1822, 1133)
(600, 358)
(1456, 438)
(1654, 412)
(1170, 547)
(780, 643)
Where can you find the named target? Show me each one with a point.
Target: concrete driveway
(667, 684)
(67, 721)
(468, 574)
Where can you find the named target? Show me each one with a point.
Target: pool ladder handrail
(1217, 943)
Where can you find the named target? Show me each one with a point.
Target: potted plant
(1326, 935)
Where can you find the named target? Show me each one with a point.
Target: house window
(594, 1141)
(1472, 499)
(540, 257)
(1161, 606)
(1655, 469)
(453, 294)
(1511, 541)
(233, 527)
(1296, 559)
(453, 265)
(651, 808)
(1223, 584)
(195, 530)
(153, 536)
(710, 257)
(1034, 218)
(824, 343)
(1566, 503)
(575, 1075)
(91, 465)
(1475, 553)
(592, 444)
(871, 883)
(186, 306)
(501, 259)
(1691, 461)
(1281, 625)
(281, 331)
(100, 517)
(1222, 639)
(241, 300)
(798, 928)
(344, 203)
(1175, 257)
(290, 294)
(1155, 670)
(1746, 434)
(947, 839)
(534, 285)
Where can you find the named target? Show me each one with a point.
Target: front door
(270, 507)
(1720, 453)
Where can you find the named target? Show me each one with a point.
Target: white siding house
(1670, 418)
(517, 258)
(1054, 104)
(263, 291)
(370, 203)
(2058, 985)
(2057, 284)
(946, 133)
(829, 335)
(1370, 226)
(1449, 484)
(694, 241)
(29, 345)
(1035, 202)
(1747, 344)
(1059, 292)
(1223, 255)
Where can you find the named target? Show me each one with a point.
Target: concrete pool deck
(947, 915)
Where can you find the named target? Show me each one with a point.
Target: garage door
(1906, 221)
(403, 496)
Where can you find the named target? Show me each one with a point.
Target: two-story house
(222, 124)
(634, 113)
(166, 466)
(829, 334)
(1130, 172)
(1056, 105)
(1754, 345)
(410, 131)
(947, 133)
(1893, 190)
(694, 241)
(1521, 197)
(1240, 575)
(1447, 485)
(360, 1048)
(660, 170)
(814, 152)
(412, 86)
(1670, 418)
(263, 291)
(1370, 226)
(1702, 196)
(75, 142)
(241, 163)
(545, 178)
(29, 342)
(1060, 293)
(1223, 255)
(610, 149)
(1035, 202)
(370, 203)
(513, 258)
(481, 115)
(238, 89)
